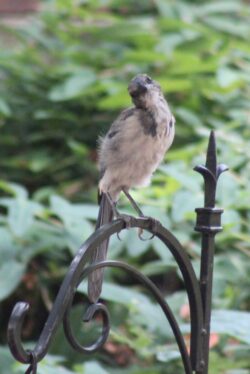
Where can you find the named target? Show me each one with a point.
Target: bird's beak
(136, 87)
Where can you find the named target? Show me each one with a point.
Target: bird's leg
(139, 211)
(133, 203)
(126, 218)
(113, 205)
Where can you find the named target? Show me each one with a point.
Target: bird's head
(144, 91)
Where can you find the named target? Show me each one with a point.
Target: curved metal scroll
(149, 285)
(76, 271)
(91, 311)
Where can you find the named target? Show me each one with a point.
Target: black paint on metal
(208, 224)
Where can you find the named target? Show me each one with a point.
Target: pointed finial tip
(211, 162)
(212, 136)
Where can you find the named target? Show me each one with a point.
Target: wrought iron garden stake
(208, 224)
(199, 292)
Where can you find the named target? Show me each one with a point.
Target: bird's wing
(118, 133)
(121, 121)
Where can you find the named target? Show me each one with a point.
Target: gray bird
(128, 155)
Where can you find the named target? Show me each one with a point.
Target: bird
(128, 155)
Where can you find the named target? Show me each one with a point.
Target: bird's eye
(172, 122)
(148, 80)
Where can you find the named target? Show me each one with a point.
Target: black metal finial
(209, 217)
(211, 172)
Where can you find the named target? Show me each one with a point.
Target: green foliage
(63, 81)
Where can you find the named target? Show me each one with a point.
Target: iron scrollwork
(198, 291)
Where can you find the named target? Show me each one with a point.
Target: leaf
(62, 207)
(184, 205)
(227, 187)
(4, 108)
(91, 367)
(78, 148)
(190, 64)
(77, 228)
(118, 101)
(189, 117)
(21, 214)
(186, 179)
(158, 267)
(144, 56)
(218, 7)
(175, 85)
(73, 86)
(51, 365)
(76, 232)
(42, 238)
(164, 354)
(165, 9)
(39, 162)
(11, 273)
(169, 42)
(162, 251)
(233, 323)
(224, 24)
(7, 361)
(227, 76)
(9, 248)
(18, 190)
(135, 246)
(231, 220)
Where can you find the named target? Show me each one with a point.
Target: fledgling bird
(129, 154)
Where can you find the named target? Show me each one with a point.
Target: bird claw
(141, 237)
(146, 239)
(118, 236)
(126, 219)
(153, 226)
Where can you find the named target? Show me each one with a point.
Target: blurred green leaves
(64, 79)
(11, 273)
(73, 65)
(73, 86)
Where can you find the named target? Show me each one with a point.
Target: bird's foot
(153, 227)
(126, 219)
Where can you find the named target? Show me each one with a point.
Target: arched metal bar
(62, 300)
(150, 286)
(193, 291)
(74, 275)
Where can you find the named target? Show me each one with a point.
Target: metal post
(208, 224)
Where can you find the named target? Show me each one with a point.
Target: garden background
(64, 77)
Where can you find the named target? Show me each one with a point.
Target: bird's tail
(95, 279)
